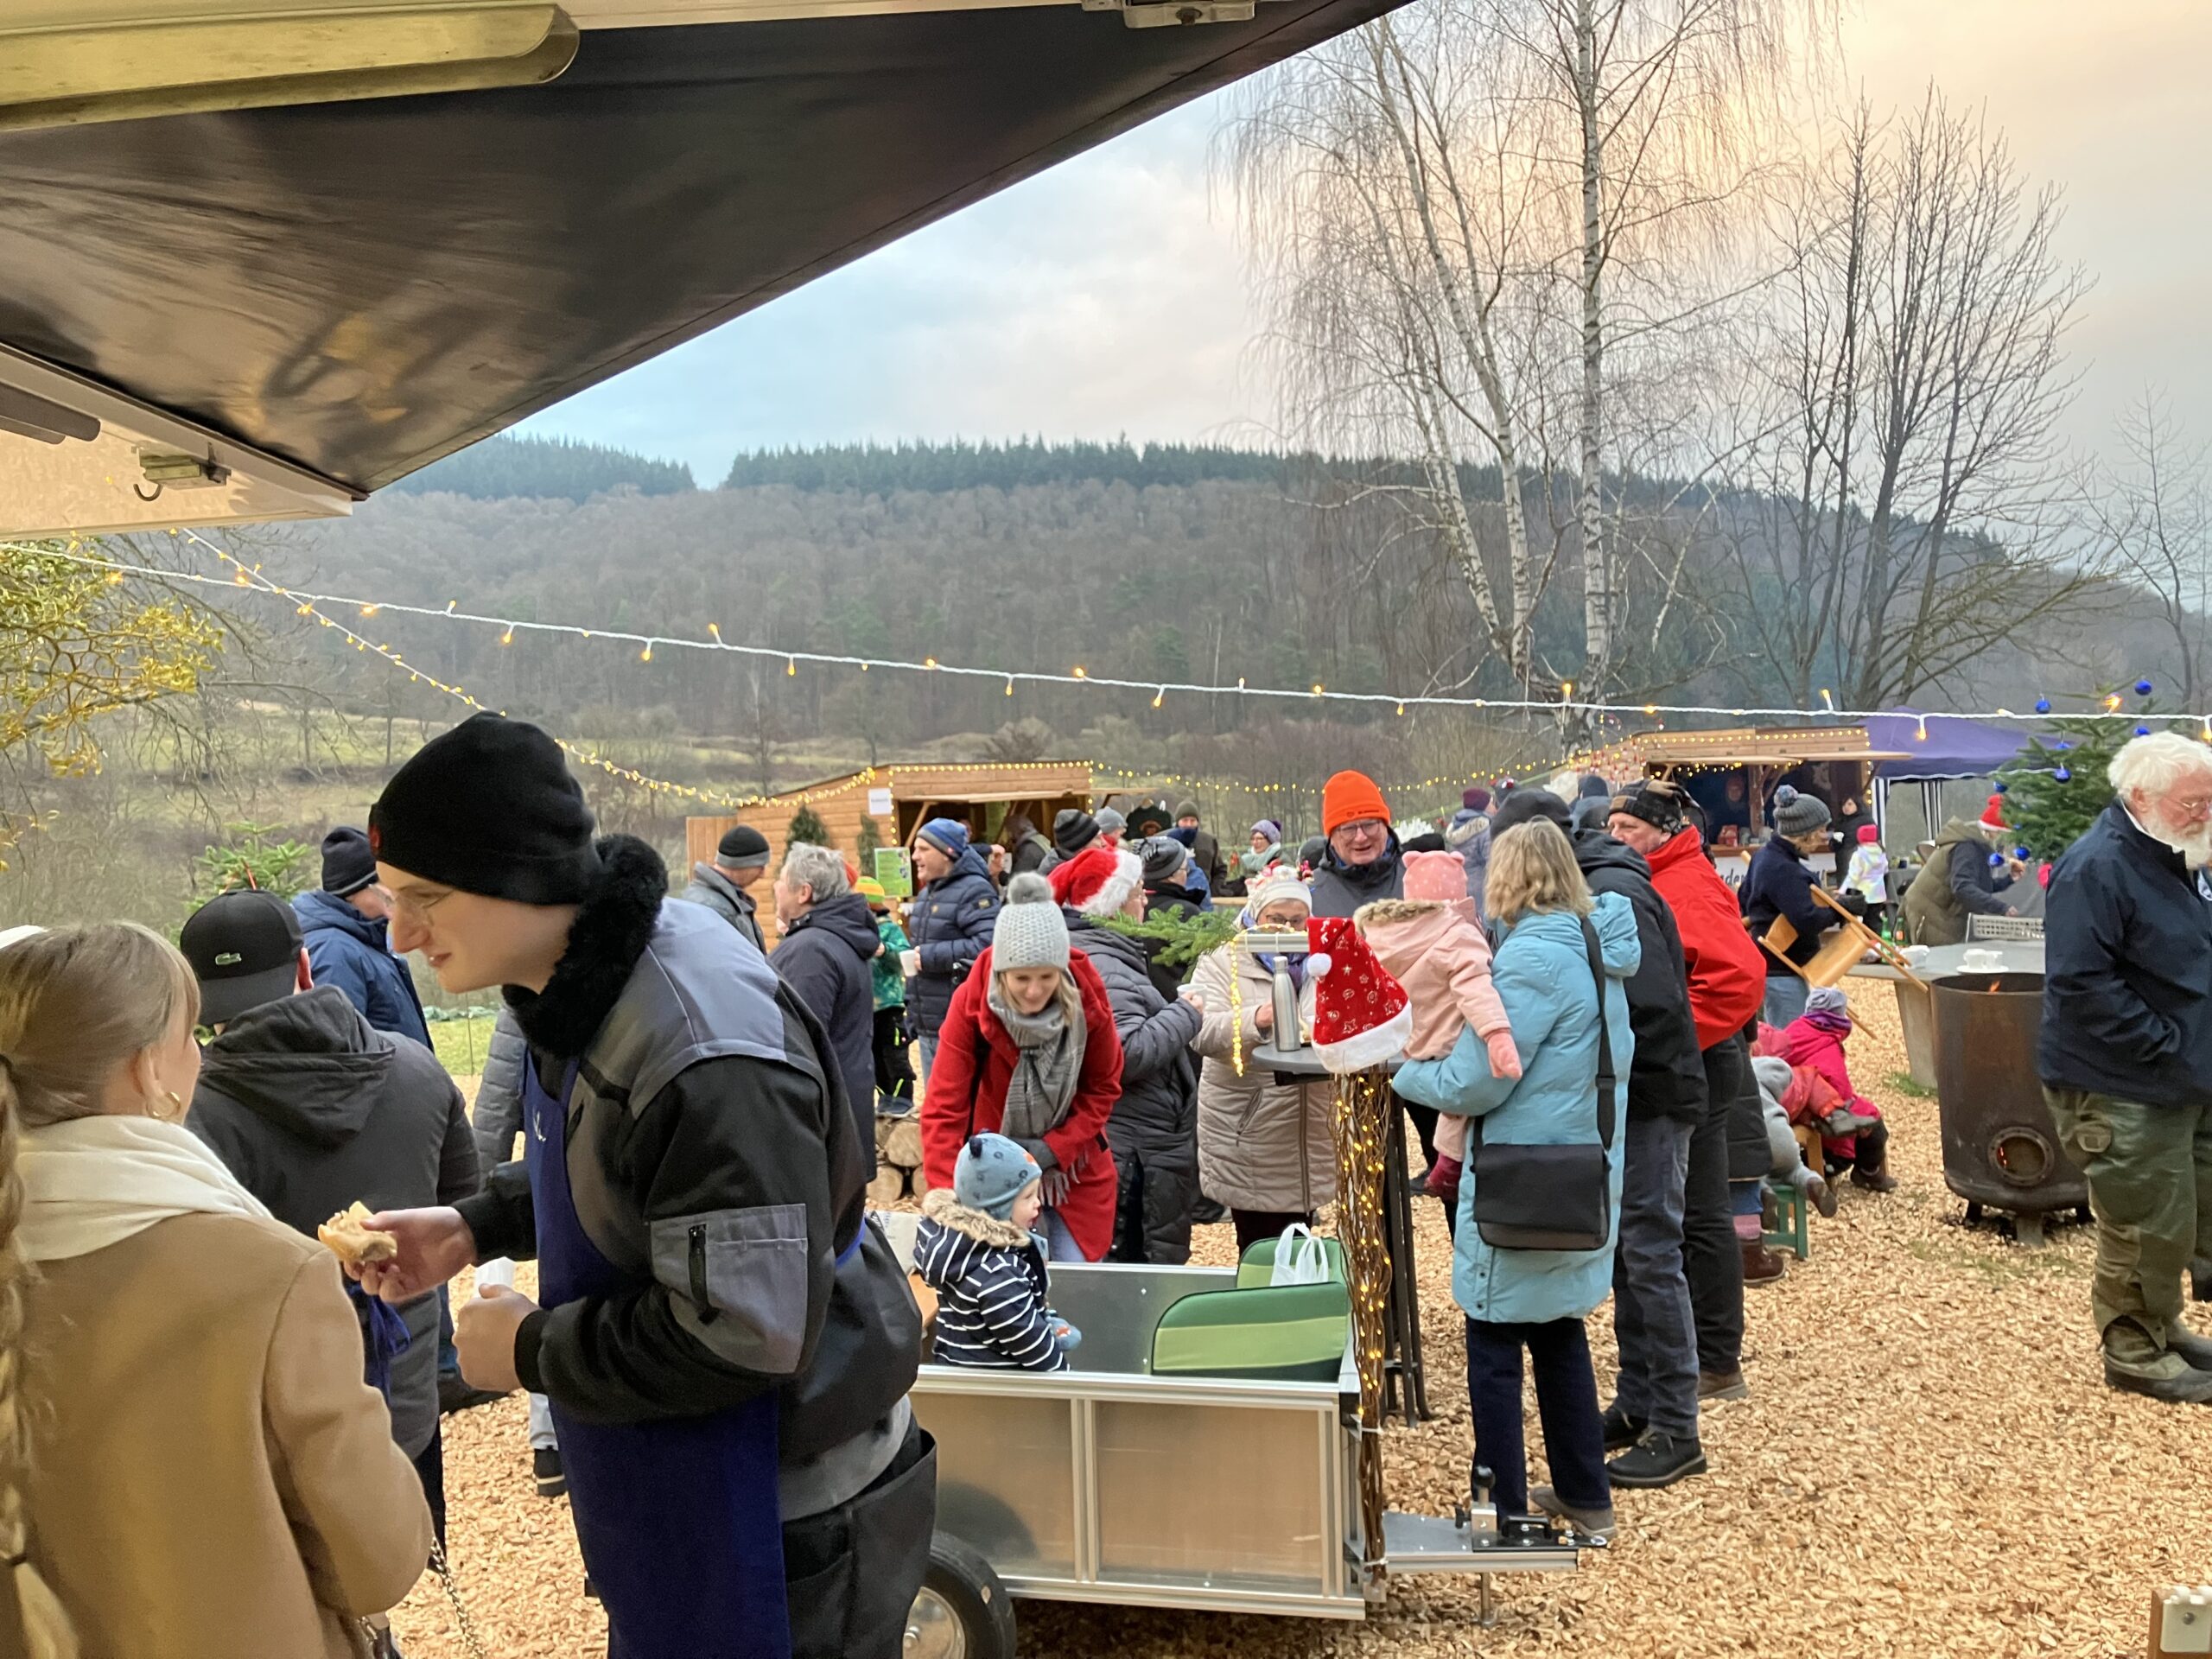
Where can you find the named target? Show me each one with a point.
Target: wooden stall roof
(844, 801)
(1760, 745)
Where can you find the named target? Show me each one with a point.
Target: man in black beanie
(726, 1342)
(724, 886)
(345, 922)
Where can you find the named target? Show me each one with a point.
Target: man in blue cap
(949, 922)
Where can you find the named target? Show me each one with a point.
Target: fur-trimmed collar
(612, 927)
(942, 1208)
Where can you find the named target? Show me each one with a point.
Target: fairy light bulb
(1081, 672)
(2111, 703)
(715, 628)
(1009, 685)
(929, 662)
(790, 667)
(366, 610)
(508, 638)
(1921, 731)
(1159, 696)
(1316, 688)
(1827, 702)
(1565, 690)
(646, 655)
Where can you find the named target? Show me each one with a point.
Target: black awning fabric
(363, 288)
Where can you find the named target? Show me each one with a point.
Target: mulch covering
(1930, 1464)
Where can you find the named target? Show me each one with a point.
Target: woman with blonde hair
(189, 1460)
(1534, 1262)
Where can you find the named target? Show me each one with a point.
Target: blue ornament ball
(2020, 853)
(2043, 705)
(2063, 775)
(2142, 687)
(2062, 744)
(1995, 859)
(2142, 731)
(2002, 786)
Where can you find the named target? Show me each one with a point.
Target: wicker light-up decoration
(1362, 1122)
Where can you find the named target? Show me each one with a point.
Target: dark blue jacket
(949, 922)
(826, 957)
(2127, 959)
(353, 953)
(1778, 884)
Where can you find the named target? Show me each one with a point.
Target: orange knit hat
(1351, 798)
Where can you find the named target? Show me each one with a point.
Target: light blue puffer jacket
(1543, 974)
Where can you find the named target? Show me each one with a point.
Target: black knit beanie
(490, 808)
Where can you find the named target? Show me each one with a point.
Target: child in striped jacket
(975, 1250)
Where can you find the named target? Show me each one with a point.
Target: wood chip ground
(1929, 1465)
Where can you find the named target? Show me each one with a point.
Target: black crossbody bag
(1552, 1197)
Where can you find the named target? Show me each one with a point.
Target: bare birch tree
(1469, 223)
(1905, 499)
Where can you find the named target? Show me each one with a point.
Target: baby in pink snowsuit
(1430, 943)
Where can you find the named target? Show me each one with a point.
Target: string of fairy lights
(320, 607)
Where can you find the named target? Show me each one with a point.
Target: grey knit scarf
(1043, 1085)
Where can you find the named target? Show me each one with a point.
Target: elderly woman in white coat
(1264, 1149)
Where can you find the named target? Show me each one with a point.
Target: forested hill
(1159, 563)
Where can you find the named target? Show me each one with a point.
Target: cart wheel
(962, 1611)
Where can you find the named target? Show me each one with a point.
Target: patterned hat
(1361, 1015)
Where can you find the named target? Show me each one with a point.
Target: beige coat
(1260, 1146)
(210, 1474)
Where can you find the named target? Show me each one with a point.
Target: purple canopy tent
(1955, 747)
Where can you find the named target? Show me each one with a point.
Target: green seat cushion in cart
(1287, 1333)
(1256, 1269)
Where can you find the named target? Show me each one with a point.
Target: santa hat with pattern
(1361, 1015)
(1099, 880)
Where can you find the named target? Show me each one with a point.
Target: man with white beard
(2125, 1055)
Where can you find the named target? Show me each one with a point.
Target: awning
(318, 299)
(1953, 748)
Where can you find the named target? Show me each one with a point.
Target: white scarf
(91, 1182)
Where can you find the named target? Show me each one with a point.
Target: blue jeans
(1785, 999)
(1059, 1243)
(1567, 1402)
(1657, 1384)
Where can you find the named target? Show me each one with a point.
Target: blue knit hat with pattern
(991, 1174)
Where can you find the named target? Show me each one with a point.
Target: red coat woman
(975, 1064)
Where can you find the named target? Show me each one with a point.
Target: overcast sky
(1104, 297)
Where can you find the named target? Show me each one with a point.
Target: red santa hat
(1099, 880)
(1992, 816)
(1361, 1015)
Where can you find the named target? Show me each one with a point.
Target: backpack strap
(1606, 1082)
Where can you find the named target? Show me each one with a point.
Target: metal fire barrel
(2000, 1146)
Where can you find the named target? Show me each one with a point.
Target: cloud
(1107, 295)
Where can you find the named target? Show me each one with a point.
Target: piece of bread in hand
(349, 1239)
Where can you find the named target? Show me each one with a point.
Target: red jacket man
(1727, 968)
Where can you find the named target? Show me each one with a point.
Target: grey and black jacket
(712, 1157)
(497, 1118)
(312, 1110)
(711, 888)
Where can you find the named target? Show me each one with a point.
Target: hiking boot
(2194, 1351)
(545, 1465)
(1591, 1523)
(1715, 1386)
(2169, 1378)
(1761, 1265)
(1874, 1180)
(1657, 1459)
(1622, 1431)
(1822, 1195)
(455, 1395)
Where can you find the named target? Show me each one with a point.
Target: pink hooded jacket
(1439, 954)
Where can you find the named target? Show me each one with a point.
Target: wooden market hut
(899, 799)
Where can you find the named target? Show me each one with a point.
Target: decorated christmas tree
(2055, 788)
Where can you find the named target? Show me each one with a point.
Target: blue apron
(677, 1518)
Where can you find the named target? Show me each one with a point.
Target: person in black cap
(346, 924)
(1073, 830)
(726, 1342)
(724, 886)
(312, 1110)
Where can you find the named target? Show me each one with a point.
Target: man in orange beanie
(1362, 864)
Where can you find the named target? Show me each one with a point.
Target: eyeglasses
(2195, 806)
(417, 907)
(1363, 828)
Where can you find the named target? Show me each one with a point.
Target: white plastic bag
(1301, 1258)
